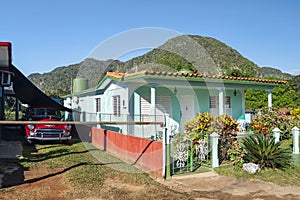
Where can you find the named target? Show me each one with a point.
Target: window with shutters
(227, 102)
(145, 107)
(213, 102)
(227, 105)
(116, 106)
(163, 106)
(98, 105)
(214, 105)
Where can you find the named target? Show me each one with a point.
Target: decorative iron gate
(187, 155)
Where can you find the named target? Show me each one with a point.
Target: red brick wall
(144, 153)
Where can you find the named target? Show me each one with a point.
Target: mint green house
(171, 97)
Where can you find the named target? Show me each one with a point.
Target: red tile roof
(195, 75)
(115, 74)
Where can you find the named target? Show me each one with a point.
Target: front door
(187, 109)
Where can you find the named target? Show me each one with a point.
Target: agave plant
(263, 150)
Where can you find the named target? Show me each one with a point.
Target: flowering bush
(236, 154)
(266, 119)
(295, 116)
(295, 113)
(225, 125)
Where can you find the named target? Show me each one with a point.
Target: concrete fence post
(214, 144)
(276, 133)
(295, 132)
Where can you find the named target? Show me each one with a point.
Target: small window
(214, 102)
(116, 106)
(227, 102)
(98, 105)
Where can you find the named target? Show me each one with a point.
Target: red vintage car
(45, 132)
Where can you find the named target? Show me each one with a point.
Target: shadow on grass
(63, 171)
(53, 154)
(67, 169)
(30, 150)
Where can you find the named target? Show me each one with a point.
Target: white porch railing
(145, 131)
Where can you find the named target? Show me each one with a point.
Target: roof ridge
(196, 75)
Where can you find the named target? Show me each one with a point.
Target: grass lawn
(296, 159)
(289, 176)
(86, 177)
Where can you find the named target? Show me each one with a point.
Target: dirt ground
(44, 187)
(210, 185)
(48, 184)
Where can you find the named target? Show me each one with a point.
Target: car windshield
(44, 112)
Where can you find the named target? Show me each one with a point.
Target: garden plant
(262, 150)
(204, 124)
(266, 119)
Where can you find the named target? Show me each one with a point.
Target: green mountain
(269, 71)
(200, 54)
(295, 83)
(58, 82)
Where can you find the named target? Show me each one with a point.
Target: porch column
(136, 109)
(153, 111)
(269, 98)
(153, 91)
(243, 102)
(221, 101)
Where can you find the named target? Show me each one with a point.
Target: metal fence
(187, 155)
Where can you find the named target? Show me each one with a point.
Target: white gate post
(269, 99)
(295, 132)
(214, 144)
(276, 134)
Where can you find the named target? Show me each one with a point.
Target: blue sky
(49, 34)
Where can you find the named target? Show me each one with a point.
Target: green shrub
(225, 125)
(263, 150)
(198, 127)
(204, 124)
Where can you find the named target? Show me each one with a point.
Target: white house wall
(107, 105)
(87, 107)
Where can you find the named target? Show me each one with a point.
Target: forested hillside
(200, 54)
